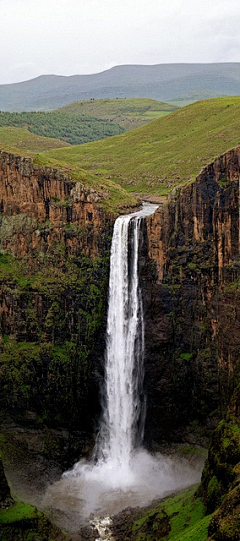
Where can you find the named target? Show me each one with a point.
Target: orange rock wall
(192, 299)
(47, 196)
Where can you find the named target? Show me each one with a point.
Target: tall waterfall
(124, 413)
(124, 348)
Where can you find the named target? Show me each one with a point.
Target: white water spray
(124, 473)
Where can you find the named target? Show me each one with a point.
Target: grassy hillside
(71, 128)
(163, 82)
(166, 152)
(128, 113)
(21, 140)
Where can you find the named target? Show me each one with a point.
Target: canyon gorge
(55, 250)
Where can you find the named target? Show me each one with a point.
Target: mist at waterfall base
(101, 489)
(122, 473)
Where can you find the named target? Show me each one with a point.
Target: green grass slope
(128, 113)
(21, 140)
(180, 517)
(166, 152)
(23, 522)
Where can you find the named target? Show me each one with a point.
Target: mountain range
(177, 83)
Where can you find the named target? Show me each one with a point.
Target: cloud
(87, 36)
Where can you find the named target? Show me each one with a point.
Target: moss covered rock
(20, 521)
(5, 496)
(23, 522)
(179, 517)
(225, 523)
(220, 487)
(221, 469)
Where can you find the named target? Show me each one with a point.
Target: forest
(71, 128)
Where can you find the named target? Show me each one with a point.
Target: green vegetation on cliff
(18, 141)
(47, 347)
(112, 196)
(17, 512)
(165, 153)
(177, 517)
(220, 487)
(23, 522)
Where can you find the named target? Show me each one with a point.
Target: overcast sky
(68, 37)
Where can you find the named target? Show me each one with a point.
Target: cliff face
(55, 244)
(54, 261)
(191, 292)
(53, 210)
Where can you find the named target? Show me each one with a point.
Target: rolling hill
(147, 162)
(165, 153)
(20, 140)
(128, 113)
(164, 82)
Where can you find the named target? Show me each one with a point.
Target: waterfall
(124, 347)
(124, 410)
(122, 473)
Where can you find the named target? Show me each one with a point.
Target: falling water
(121, 473)
(122, 428)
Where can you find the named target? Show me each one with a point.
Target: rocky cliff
(39, 206)
(55, 243)
(191, 284)
(54, 255)
(220, 487)
(190, 277)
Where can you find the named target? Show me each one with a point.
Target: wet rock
(5, 495)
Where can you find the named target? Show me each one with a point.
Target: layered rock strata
(192, 293)
(55, 243)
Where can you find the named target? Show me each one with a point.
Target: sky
(69, 37)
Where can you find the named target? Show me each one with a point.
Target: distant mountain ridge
(165, 82)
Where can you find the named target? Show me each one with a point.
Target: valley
(59, 203)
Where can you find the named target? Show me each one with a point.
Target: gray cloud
(86, 36)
